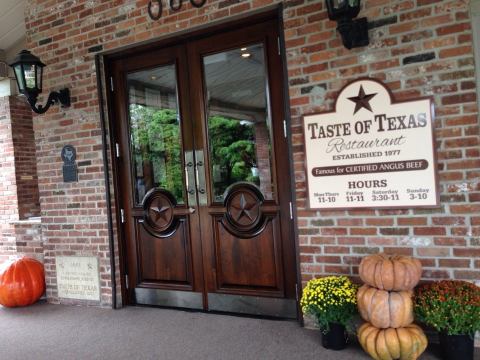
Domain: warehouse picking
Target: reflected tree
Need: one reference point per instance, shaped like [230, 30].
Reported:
[156, 143]
[156, 138]
[232, 151]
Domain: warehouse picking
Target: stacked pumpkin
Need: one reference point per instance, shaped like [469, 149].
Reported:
[385, 301]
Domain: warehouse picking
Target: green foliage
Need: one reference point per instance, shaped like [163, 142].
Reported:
[156, 136]
[450, 306]
[232, 148]
[332, 299]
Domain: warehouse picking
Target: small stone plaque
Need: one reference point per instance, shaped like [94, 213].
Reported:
[78, 277]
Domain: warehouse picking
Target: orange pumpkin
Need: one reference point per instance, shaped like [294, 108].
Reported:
[390, 272]
[22, 283]
[406, 343]
[385, 309]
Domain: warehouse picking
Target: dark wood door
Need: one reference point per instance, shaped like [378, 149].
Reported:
[160, 220]
[204, 175]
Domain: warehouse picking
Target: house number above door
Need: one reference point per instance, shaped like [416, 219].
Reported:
[155, 7]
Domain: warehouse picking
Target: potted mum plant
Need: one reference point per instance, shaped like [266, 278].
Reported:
[332, 301]
[452, 307]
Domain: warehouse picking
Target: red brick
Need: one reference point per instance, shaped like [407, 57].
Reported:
[412, 221]
[450, 29]
[429, 230]
[399, 251]
[363, 231]
[336, 250]
[436, 252]
[454, 263]
[351, 240]
[458, 51]
[468, 275]
[471, 253]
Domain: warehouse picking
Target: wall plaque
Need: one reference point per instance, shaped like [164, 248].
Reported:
[371, 152]
[78, 277]
[70, 172]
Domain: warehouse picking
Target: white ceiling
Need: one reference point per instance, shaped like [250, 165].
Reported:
[12, 23]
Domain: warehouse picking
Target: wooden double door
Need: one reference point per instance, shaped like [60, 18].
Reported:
[203, 175]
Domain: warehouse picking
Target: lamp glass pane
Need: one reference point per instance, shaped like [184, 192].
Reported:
[39, 78]
[19, 76]
[337, 4]
[30, 79]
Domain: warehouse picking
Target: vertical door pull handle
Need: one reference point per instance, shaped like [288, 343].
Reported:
[186, 179]
[190, 178]
[200, 177]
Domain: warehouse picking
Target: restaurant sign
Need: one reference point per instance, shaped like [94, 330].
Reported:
[371, 151]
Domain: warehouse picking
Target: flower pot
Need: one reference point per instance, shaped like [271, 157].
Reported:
[336, 338]
[456, 347]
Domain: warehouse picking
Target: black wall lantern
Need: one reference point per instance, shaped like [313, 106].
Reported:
[28, 71]
[354, 32]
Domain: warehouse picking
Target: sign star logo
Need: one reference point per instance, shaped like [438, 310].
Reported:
[362, 100]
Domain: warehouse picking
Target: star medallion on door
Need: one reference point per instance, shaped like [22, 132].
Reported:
[243, 204]
[159, 210]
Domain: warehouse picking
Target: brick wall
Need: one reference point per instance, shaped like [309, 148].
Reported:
[418, 47]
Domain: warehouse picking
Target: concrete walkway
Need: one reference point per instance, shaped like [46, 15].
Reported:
[45, 331]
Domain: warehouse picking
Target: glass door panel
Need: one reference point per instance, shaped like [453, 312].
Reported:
[239, 121]
[155, 132]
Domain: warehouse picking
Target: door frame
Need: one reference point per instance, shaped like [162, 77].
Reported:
[110, 148]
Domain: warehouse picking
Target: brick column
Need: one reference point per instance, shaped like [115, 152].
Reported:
[8, 187]
[25, 160]
[19, 234]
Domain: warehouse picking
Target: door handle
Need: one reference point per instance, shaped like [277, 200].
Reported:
[190, 178]
[190, 191]
[200, 177]
[200, 185]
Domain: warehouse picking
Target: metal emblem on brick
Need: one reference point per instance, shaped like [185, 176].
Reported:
[69, 169]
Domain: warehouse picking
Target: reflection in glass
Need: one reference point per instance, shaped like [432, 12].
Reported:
[30, 76]
[155, 132]
[19, 75]
[239, 123]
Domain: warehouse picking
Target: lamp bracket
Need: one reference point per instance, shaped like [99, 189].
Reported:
[61, 96]
[354, 32]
